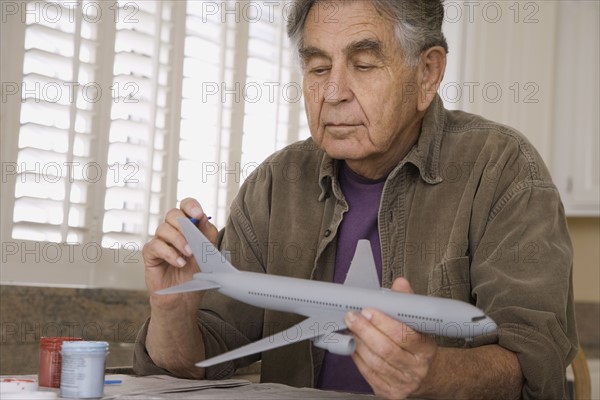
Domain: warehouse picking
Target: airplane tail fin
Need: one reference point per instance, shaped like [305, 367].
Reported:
[363, 272]
[207, 256]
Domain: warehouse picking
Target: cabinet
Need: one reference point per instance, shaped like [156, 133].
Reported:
[576, 115]
[534, 66]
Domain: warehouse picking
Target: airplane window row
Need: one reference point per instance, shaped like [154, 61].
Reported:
[323, 303]
[402, 315]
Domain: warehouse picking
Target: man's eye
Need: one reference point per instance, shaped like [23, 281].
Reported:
[364, 68]
[319, 70]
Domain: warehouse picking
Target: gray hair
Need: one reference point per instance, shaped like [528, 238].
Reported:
[418, 24]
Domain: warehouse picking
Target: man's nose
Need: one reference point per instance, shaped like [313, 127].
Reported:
[337, 88]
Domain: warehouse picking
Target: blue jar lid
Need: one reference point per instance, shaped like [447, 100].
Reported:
[85, 346]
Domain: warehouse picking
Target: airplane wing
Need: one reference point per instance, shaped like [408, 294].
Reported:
[190, 286]
[310, 328]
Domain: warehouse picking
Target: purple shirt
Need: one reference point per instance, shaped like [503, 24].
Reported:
[360, 222]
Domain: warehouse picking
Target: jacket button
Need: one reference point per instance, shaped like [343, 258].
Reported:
[327, 233]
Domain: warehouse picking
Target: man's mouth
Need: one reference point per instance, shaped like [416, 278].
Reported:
[341, 129]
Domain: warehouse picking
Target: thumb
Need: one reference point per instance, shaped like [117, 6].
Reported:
[402, 285]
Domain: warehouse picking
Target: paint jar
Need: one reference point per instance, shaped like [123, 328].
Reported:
[50, 360]
[83, 369]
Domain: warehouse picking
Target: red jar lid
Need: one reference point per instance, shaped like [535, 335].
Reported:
[55, 343]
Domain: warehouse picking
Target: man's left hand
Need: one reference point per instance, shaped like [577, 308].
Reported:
[393, 358]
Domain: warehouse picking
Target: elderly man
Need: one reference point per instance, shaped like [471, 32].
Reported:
[492, 232]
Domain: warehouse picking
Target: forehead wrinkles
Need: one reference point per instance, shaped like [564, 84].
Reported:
[370, 46]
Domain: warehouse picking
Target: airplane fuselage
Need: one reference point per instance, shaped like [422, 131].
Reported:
[426, 314]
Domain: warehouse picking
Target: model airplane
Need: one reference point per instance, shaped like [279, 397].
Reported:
[324, 303]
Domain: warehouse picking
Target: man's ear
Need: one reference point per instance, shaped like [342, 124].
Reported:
[432, 64]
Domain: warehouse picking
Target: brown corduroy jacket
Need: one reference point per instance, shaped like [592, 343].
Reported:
[471, 213]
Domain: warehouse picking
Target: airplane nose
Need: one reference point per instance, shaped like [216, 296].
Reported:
[488, 326]
[483, 325]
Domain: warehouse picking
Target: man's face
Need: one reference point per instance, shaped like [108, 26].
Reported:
[360, 96]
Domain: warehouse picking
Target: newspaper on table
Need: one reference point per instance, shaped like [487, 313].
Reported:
[158, 387]
[166, 387]
[161, 384]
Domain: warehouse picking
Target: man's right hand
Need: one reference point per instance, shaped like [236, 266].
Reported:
[168, 259]
[174, 341]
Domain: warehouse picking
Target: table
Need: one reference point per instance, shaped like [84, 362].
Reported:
[167, 387]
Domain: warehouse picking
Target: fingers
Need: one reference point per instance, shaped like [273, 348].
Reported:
[375, 325]
[169, 244]
[392, 357]
[172, 235]
[191, 208]
[402, 285]
[381, 333]
[156, 251]
[173, 215]
[188, 208]
[372, 364]
[386, 366]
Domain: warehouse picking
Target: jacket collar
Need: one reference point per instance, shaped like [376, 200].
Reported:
[425, 155]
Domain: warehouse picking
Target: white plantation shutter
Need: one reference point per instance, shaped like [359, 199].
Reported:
[205, 119]
[64, 159]
[58, 91]
[91, 138]
[143, 71]
[273, 91]
[123, 109]
[241, 98]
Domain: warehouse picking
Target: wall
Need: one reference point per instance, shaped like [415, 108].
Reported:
[585, 234]
[28, 313]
